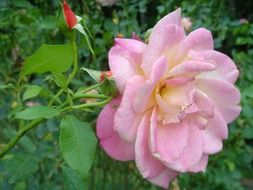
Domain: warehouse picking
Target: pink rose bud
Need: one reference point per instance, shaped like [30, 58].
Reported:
[176, 98]
[105, 74]
[69, 15]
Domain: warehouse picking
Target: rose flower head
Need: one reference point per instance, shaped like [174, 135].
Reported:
[69, 15]
[68, 21]
[176, 97]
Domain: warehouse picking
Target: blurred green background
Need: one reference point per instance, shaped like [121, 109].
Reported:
[36, 162]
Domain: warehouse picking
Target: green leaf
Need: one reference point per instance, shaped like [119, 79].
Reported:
[53, 58]
[72, 180]
[60, 80]
[36, 112]
[20, 167]
[31, 91]
[77, 144]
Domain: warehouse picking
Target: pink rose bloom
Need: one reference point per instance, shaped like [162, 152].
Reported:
[176, 97]
[244, 21]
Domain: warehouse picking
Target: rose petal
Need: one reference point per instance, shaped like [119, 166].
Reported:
[163, 41]
[167, 142]
[163, 106]
[179, 80]
[124, 60]
[215, 131]
[126, 121]
[177, 96]
[145, 162]
[224, 95]
[163, 178]
[217, 125]
[225, 67]
[201, 165]
[133, 49]
[204, 103]
[142, 100]
[172, 18]
[198, 40]
[192, 152]
[159, 68]
[211, 143]
[191, 67]
[109, 139]
[69, 15]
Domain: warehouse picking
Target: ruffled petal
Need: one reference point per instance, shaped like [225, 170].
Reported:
[188, 67]
[142, 100]
[215, 131]
[124, 60]
[163, 178]
[145, 162]
[167, 141]
[172, 18]
[159, 68]
[133, 49]
[198, 40]
[162, 42]
[126, 120]
[204, 103]
[224, 95]
[217, 125]
[192, 153]
[211, 143]
[201, 165]
[109, 139]
[225, 67]
[179, 80]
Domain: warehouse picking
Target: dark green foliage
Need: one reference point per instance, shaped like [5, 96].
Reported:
[36, 163]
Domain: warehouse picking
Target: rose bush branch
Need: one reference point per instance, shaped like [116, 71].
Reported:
[75, 61]
[21, 132]
[88, 105]
[72, 74]
[48, 58]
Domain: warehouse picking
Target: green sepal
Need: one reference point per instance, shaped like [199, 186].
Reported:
[147, 35]
[96, 75]
[108, 87]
